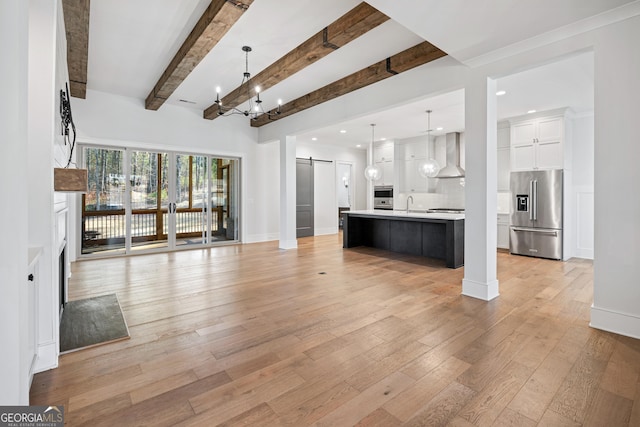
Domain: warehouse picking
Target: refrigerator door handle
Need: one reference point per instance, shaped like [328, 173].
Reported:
[529, 230]
[531, 201]
[535, 200]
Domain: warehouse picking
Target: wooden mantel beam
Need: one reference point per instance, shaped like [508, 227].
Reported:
[76, 23]
[211, 27]
[348, 27]
[418, 55]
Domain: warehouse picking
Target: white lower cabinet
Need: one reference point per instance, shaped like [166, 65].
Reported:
[503, 231]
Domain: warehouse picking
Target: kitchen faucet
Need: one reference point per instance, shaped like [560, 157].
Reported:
[410, 197]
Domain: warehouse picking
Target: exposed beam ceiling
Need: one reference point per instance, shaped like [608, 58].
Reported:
[76, 23]
[348, 27]
[212, 26]
[403, 61]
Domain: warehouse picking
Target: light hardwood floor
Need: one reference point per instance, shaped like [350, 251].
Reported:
[252, 335]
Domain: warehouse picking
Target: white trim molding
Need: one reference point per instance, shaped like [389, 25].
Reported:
[612, 321]
[483, 291]
[584, 221]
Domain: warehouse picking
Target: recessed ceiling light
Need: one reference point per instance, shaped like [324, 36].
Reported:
[383, 139]
[314, 139]
[440, 128]
[359, 145]
[531, 111]
[501, 92]
[343, 131]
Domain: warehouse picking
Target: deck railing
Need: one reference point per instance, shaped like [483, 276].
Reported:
[108, 227]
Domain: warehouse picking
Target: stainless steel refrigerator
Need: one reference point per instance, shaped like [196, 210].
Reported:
[536, 213]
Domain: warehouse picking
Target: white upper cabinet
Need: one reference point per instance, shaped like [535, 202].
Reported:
[538, 143]
[383, 152]
[383, 158]
[415, 150]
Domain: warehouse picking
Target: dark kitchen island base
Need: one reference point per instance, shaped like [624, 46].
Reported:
[438, 236]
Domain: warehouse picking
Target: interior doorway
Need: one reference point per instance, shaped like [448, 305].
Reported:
[344, 188]
[304, 198]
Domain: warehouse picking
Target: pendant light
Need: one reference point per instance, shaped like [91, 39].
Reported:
[429, 167]
[372, 172]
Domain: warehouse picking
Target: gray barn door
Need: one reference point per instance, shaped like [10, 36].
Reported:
[304, 197]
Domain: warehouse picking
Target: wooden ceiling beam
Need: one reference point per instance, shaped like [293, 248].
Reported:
[76, 24]
[396, 64]
[348, 27]
[211, 27]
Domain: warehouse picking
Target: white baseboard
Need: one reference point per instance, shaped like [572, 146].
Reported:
[47, 357]
[618, 323]
[584, 253]
[288, 244]
[325, 231]
[483, 291]
[257, 238]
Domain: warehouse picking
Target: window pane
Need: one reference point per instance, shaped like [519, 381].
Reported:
[103, 219]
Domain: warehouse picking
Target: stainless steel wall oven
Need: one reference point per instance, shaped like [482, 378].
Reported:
[383, 197]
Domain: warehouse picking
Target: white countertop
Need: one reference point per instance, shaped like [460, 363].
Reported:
[410, 214]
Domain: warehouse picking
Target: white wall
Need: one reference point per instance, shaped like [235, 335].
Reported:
[616, 299]
[116, 120]
[325, 206]
[263, 212]
[13, 192]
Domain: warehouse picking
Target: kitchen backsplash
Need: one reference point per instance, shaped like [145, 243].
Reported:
[449, 193]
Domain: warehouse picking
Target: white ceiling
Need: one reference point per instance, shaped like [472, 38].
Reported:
[131, 43]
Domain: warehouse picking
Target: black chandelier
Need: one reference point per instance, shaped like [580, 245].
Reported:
[254, 105]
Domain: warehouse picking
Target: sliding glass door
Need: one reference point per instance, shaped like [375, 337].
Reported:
[103, 225]
[148, 200]
[191, 215]
[153, 201]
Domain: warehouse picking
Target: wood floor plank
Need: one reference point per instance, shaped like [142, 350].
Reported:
[408, 403]
[485, 407]
[608, 409]
[509, 418]
[551, 418]
[379, 418]
[313, 409]
[258, 415]
[367, 401]
[212, 409]
[251, 334]
[581, 384]
[444, 407]
[484, 370]
[621, 375]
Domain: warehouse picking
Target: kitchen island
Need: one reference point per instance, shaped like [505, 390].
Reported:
[433, 235]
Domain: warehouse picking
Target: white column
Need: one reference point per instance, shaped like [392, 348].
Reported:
[481, 186]
[616, 266]
[288, 193]
[14, 387]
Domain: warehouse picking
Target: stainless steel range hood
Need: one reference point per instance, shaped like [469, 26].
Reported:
[452, 169]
